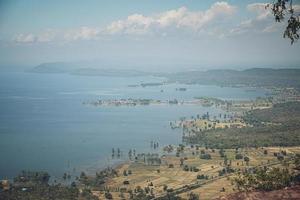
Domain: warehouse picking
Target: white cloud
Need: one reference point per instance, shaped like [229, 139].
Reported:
[262, 12]
[83, 33]
[171, 22]
[25, 38]
[171, 17]
[273, 27]
[262, 21]
[181, 18]
[46, 36]
[134, 24]
[164, 23]
[243, 27]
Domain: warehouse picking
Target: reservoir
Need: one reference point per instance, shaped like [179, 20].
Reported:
[45, 126]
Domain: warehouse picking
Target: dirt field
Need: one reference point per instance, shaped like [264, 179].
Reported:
[175, 177]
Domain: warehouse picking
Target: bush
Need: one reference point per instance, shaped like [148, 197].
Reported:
[280, 157]
[108, 195]
[246, 159]
[205, 156]
[186, 168]
[238, 156]
[165, 187]
[193, 196]
[201, 176]
[195, 169]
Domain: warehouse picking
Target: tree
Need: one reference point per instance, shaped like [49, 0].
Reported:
[297, 161]
[238, 156]
[280, 157]
[87, 194]
[264, 179]
[201, 176]
[193, 196]
[246, 159]
[205, 156]
[34, 177]
[108, 195]
[165, 187]
[186, 168]
[279, 9]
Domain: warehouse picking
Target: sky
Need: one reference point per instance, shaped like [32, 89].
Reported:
[161, 34]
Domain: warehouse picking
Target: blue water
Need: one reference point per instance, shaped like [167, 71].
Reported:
[45, 126]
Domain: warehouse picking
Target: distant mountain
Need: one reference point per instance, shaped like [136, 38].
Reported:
[56, 67]
[250, 77]
[84, 69]
[107, 72]
[223, 77]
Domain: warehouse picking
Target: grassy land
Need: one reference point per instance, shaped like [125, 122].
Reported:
[276, 126]
[284, 113]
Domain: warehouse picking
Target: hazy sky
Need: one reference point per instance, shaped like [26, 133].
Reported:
[194, 33]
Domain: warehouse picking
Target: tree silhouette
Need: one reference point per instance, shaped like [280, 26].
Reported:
[281, 8]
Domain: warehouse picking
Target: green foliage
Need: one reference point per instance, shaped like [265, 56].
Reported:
[264, 179]
[108, 195]
[33, 177]
[287, 113]
[246, 159]
[186, 168]
[99, 179]
[140, 194]
[238, 156]
[37, 188]
[205, 156]
[165, 187]
[292, 29]
[285, 135]
[171, 165]
[86, 194]
[226, 170]
[280, 157]
[193, 196]
[202, 176]
[283, 132]
[222, 153]
[297, 161]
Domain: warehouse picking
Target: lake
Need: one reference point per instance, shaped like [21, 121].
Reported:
[45, 126]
